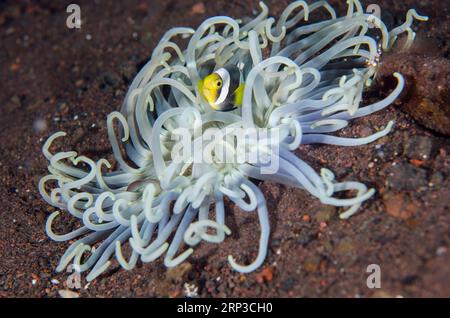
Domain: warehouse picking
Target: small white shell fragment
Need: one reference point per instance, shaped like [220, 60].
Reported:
[66, 293]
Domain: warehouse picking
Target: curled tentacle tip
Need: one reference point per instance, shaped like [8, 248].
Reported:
[240, 268]
[417, 16]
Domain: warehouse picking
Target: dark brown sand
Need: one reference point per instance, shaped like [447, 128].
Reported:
[56, 79]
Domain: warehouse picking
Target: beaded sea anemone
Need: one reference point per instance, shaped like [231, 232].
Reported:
[302, 80]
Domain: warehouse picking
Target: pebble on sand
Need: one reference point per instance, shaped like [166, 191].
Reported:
[198, 8]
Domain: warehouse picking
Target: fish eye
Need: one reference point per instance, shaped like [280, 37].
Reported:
[219, 83]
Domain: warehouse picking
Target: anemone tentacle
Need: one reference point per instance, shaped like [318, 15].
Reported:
[303, 81]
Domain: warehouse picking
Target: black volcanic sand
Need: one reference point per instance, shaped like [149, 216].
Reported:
[56, 79]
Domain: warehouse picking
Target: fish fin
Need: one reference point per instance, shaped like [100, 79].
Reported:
[215, 107]
[200, 86]
[229, 110]
[239, 95]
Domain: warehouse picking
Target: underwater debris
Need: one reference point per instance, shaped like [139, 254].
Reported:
[309, 86]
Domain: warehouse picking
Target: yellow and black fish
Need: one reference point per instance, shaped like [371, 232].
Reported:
[223, 89]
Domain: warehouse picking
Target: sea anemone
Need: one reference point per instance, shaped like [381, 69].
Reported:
[302, 81]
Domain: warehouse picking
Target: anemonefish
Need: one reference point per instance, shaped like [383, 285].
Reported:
[223, 89]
